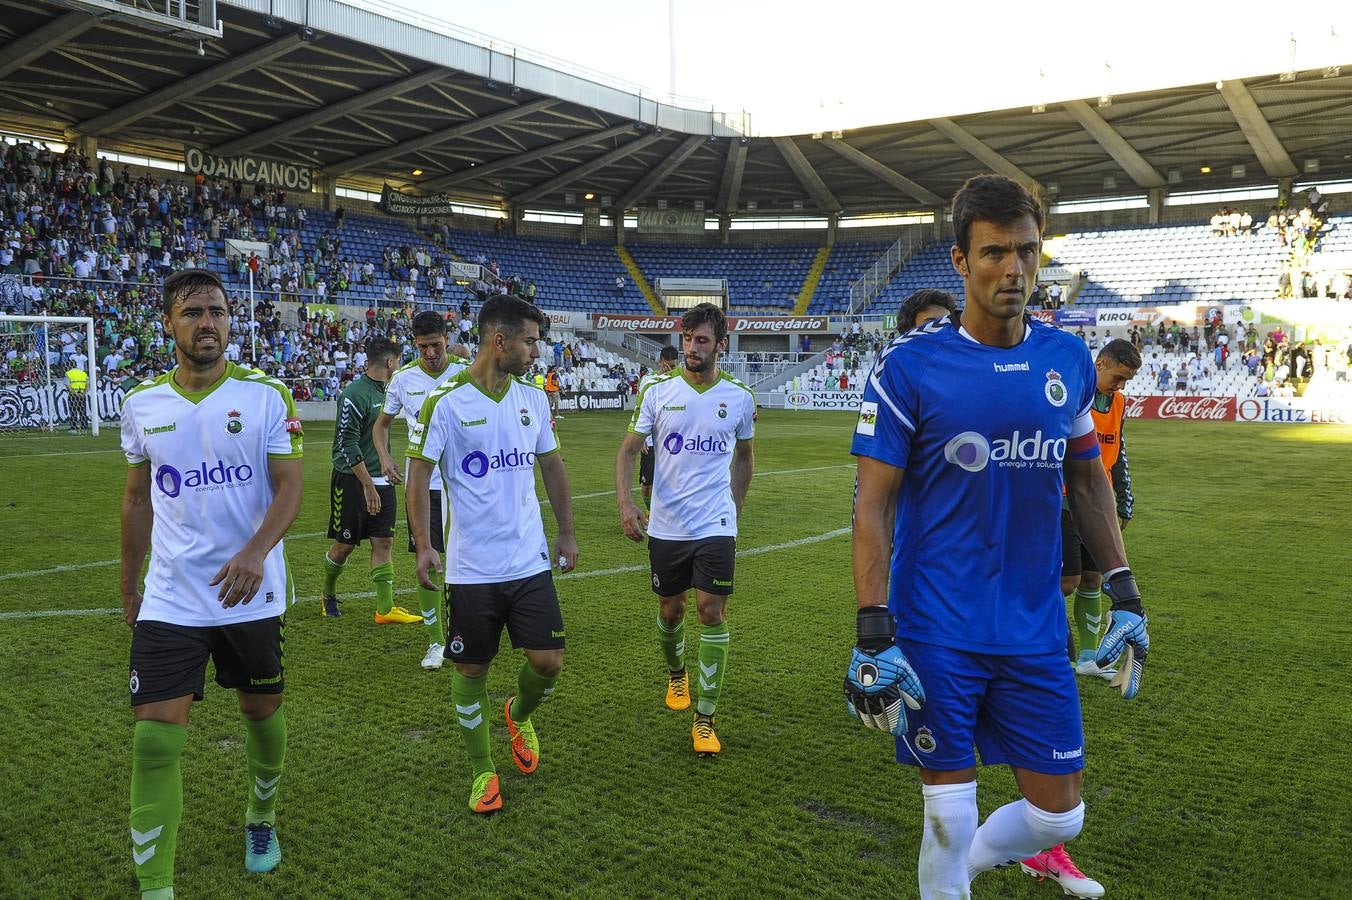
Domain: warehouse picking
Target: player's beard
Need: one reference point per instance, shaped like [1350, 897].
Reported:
[699, 368]
[203, 357]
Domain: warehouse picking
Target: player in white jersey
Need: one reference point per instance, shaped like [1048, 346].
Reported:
[214, 451]
[701, 421]
[404, 397]
[485, 429]
[667, 360]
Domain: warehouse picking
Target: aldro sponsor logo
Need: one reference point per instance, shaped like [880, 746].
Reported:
[677, 443]
[204, 477]
[973, 452]
[478, 464]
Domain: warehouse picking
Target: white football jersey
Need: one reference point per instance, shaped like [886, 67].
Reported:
[694, 430]
[409, 387]
[209, 489]
[486, 448]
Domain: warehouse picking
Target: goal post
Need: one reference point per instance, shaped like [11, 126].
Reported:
[36, 352]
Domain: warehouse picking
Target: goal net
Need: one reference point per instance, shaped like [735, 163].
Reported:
[41, 360]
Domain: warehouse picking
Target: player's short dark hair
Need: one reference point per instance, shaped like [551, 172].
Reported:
[507, 315]
[428, 324]
[185, 283]
[705, 313]
[669, 353]
[1122, 352]
[379, 349]
[992, 198]
[920, 300]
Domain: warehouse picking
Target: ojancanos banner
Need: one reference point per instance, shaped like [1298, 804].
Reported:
[397, 203]
[248, 169]
[736, 324]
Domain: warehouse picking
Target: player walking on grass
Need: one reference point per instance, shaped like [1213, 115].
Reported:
[1117, 362]
[701, 421]
[964, 431]
[485, 429]
[666, 361]
[361, 498]
[214, 451]
[407, 390]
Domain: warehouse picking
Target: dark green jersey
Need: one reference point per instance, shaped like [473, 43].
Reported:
[358, 407]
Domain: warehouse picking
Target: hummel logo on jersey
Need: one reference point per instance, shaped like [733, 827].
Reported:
[1011, 367]
[680, 408]
[161, 429]
[416, 393]
[1068, 754]
[472, 422]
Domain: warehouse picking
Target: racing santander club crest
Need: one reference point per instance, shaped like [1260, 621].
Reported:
[525, 419]
[924, 740]
[1055, 388]
[233, 423]
[722, 410]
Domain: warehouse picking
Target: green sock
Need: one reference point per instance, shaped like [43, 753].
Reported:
[532, 689]
[672, 638]
[383, 576]
[429, 604]
[265, 748]
[156, 800]
[470, 696]
[713, 662]
[331, 572]
[1088, 617]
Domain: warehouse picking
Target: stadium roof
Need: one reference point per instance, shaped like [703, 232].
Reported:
[367, 99]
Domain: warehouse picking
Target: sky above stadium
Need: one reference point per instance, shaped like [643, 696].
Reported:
[817, 66]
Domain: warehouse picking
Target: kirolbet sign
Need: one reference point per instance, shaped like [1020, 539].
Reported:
[249, 169]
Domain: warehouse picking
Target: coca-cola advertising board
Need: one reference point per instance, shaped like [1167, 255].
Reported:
[1198, 409]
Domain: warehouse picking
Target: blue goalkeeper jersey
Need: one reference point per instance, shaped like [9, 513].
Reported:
[982, 433]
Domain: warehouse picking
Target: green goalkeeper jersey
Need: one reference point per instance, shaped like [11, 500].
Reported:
[359, 405]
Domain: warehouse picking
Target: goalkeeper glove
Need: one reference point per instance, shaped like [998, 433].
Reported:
[1125, 639]
[880, 679]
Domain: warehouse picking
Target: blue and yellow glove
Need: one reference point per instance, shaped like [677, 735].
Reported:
[880, 679]
[1126, 642]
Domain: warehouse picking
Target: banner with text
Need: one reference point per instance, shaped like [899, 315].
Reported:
[736, 324]
[1292, 411]
[248, 169]
[397, 203]
[821, 399]
[671, 221]
[1201, 409]
[574, 401]
[570, 319]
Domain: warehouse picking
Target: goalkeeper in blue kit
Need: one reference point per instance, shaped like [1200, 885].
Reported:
[967, 428]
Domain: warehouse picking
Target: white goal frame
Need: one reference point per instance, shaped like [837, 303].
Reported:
[91, 395]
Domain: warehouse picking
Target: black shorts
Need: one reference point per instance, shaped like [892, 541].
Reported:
[646, 461]
[1075, 556]
[349, 522]
[169, 661]
[705, 563]
[438, 535]
[476, 613]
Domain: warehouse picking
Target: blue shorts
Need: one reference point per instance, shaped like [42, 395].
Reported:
[1017, 710]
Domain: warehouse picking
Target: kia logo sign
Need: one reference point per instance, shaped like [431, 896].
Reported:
[798, 400]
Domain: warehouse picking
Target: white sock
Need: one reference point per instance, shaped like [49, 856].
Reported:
[1019, 830]
[950, 822]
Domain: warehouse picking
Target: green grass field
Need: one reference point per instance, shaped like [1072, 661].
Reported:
[1229, 777]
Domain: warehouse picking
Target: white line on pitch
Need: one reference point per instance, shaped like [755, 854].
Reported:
[75, 567]
[367, 595]
[58, 453]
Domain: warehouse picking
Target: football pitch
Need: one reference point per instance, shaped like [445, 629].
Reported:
[1229, 777]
